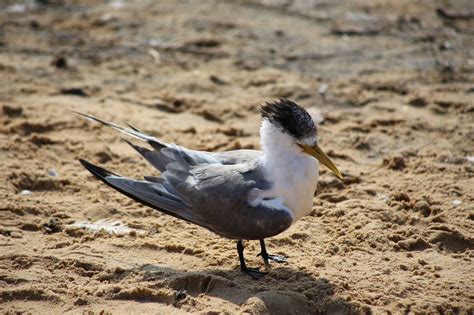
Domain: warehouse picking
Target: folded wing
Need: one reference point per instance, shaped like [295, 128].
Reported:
[207, 189]
[212, 196]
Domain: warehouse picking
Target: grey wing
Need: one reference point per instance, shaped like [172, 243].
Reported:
[218, 195]
[162, 157]
[214, 197]
[237, 156]
[162, 153]
[152, 194]
[208, 189]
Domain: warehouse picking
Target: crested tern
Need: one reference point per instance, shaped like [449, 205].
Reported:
[240, 194]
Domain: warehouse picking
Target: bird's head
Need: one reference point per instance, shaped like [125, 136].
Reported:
[295, 123]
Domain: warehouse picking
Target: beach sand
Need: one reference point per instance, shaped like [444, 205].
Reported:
[392, 83]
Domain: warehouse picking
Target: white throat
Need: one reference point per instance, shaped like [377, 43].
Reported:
[294, 174]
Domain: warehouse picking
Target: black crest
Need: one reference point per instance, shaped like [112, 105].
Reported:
[290, 117]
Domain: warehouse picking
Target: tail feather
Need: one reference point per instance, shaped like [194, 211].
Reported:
[132, 131]
[148, 193]
[97, 171]
[155, 158]
[162, 181]
[155, 179]
[163, 153]
[135, 129]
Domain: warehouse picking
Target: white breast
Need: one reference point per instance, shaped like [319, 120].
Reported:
[293, 173]
[294, 180]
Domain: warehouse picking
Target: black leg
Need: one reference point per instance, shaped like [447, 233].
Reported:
[253, 272]
[266, 256]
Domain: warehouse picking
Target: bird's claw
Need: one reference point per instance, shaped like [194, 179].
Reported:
[275, 258]
[254, 273]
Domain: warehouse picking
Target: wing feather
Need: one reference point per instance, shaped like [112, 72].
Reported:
[208, 189]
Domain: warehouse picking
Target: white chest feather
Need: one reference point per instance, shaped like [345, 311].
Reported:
[294, 174]
[294, 180]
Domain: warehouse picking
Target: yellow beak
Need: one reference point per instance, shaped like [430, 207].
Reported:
[322, 157]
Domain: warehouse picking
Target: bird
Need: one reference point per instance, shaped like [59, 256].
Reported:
[239, 194]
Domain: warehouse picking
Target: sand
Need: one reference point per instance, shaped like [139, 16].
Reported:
[392, 82]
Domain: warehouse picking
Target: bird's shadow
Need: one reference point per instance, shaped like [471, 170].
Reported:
[283, 291]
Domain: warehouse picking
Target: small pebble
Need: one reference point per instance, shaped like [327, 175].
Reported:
[53, 173]
[59, 62]
[457, 202]
[52, 226]
[323, 89]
